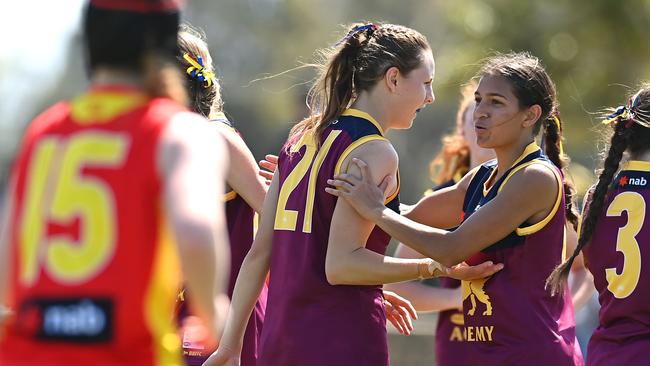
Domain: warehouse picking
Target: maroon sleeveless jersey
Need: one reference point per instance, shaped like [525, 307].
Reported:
[308, 321]
[617, 255]
[241, 226]
[510, 318]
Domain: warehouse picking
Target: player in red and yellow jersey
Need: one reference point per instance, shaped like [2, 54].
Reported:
[110, 196]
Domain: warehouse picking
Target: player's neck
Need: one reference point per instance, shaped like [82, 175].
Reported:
[106, 76]
[377, 110]
[508, 155]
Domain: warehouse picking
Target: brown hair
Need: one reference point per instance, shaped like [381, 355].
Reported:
[454, 157]
[532, 85]
[204, 98]
[142, 43]
[354, 65]
[632, 134]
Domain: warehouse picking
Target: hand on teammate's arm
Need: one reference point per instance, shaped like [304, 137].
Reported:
[494, 221]
[268, 166]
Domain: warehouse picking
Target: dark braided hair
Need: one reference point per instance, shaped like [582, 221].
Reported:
[356, 64]
[552, 147]
[532, 85]
[629, 135]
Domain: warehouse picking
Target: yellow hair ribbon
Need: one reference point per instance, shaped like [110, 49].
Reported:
[197, 70]
[621, 112]
[559, 129]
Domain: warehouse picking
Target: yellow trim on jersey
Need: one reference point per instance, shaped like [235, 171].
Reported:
[256, 223]
[530, 148]
[564, 253]
[396, 192]
[103, 106]
[354, 145]
[540, 225]
[230, 196]
[638, 165]
[361, 114]
[160, 300]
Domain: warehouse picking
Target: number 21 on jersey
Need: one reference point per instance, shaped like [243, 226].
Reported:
[286, 219]
[58, 191]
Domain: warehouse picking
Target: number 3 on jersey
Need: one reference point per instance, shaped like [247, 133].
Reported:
[622, 285]
[287, 219]
[57, 191]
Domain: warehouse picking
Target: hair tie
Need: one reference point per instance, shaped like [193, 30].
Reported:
[355, 30]
[198, 71]
[556, 120]
[624, 113]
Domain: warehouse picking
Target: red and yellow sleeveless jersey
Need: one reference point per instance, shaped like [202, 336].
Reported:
[94, 276]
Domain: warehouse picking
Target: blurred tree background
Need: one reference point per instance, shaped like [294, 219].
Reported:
[593, 50]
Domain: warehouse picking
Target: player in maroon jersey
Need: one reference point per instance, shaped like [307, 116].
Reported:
[511, 210]
[325, 304]
[615, 240]
[245, 194]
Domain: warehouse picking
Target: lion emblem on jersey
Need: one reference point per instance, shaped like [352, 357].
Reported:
[475, 292]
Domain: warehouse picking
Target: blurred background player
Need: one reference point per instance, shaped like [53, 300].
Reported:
[246, 189]
[101, 188]
[615, 240]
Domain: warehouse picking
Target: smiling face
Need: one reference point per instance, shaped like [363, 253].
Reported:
[412, 92]
[498, 118]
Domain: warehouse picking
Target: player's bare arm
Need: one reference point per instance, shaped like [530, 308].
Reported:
[491, 223]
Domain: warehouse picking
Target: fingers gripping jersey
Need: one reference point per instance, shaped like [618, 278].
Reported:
[510, 318]
[617, 255]
[95, 274]
[308, 321]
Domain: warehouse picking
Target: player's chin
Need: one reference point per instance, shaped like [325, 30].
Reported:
[405, 125]
[484, 142]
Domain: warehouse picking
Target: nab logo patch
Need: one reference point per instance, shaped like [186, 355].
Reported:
[77, 320]
[638, 182]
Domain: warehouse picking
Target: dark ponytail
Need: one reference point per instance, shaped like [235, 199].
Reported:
[552, 137]
[557, 280]
[355, 64]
